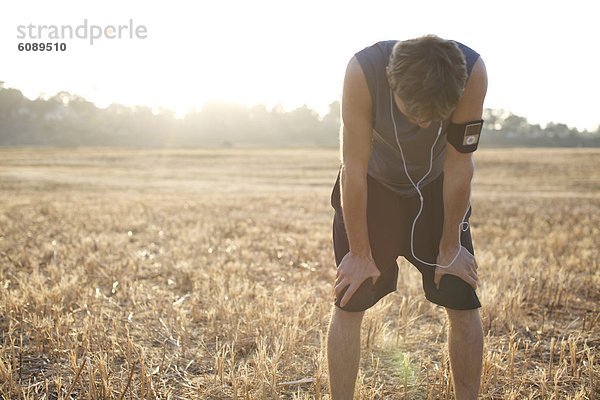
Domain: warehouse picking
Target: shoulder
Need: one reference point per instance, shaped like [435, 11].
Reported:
[377, 53]
[372, 60]
[471, 103]
[470, 106]
[471, 56]
[381, 47]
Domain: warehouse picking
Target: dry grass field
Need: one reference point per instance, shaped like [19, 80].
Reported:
[207, 274]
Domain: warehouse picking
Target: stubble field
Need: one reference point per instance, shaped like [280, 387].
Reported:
[207, 274]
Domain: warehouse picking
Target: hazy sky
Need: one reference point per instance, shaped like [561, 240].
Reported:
[542, 56]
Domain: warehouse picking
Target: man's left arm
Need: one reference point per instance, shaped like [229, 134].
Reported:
[458, 173]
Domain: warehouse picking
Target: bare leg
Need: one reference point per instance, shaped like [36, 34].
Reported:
[465, 345]
[343, 352]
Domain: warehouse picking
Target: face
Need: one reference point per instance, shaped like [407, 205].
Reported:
[411, 118]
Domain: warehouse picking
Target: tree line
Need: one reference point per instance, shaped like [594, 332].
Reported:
[67, 119]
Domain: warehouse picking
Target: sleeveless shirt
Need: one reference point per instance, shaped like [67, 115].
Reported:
[385, 163]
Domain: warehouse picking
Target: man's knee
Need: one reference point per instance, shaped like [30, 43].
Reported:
[464, 320]
[348, 318]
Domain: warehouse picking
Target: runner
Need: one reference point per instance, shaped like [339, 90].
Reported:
[411, 119]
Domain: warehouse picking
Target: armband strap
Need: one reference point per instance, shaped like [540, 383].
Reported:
[464, 137]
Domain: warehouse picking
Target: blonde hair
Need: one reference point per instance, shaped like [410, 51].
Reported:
[429, 75]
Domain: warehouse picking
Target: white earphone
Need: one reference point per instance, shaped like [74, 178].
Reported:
[462, 226]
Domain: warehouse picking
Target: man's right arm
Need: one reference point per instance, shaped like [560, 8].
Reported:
[357, 132]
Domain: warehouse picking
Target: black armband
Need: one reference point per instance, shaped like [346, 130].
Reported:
[464, 137]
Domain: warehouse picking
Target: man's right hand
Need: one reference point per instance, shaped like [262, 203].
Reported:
[352, 272]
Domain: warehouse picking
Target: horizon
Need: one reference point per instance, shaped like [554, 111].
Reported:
[271, 108]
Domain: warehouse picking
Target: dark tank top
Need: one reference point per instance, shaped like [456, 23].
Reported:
[385, 163]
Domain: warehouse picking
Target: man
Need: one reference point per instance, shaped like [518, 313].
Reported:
[411, 118]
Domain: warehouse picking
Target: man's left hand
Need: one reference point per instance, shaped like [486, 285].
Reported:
[464, 266]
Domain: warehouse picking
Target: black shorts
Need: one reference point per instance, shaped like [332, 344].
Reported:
[389, 219]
